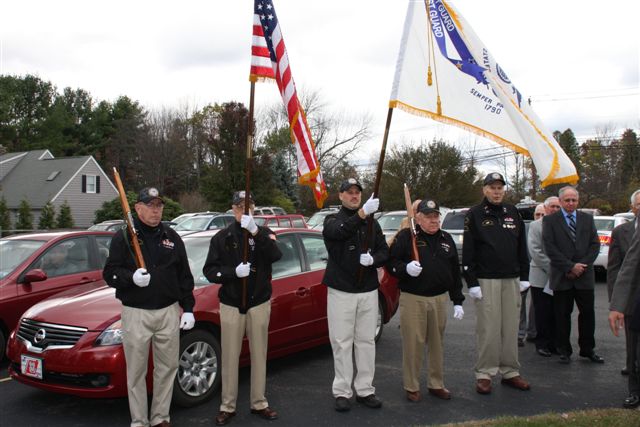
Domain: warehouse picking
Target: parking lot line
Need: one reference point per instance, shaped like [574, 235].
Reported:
[5, 379]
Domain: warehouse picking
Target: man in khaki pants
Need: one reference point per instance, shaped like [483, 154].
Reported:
[424, 284]
[240, 311]
[496, 268]
[151, 300]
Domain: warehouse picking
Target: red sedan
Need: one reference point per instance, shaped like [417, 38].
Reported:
[71, 343]
[38, 265]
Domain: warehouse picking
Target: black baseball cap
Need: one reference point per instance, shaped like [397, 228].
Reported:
[428, 206]
[494, 177]
[148, 194]
[239, 196]
[348, 183]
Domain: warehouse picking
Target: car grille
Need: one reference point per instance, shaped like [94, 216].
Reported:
[40, 336]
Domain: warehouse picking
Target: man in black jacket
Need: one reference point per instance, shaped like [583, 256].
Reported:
[151, 300]
[495, 266]
[424, 284]
[352, 298]
[245, 304]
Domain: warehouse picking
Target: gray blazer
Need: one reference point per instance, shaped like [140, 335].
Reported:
[627, 280]
[539, 267]
[620, 242]
[564, 253]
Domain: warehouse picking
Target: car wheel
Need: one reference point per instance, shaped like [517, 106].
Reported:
[3, 343]
[198, 377]
[380, 323]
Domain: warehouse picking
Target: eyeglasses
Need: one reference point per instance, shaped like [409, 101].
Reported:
[538, 215]
[152, 205]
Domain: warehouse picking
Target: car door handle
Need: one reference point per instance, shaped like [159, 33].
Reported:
[86, 280]
[301, 292]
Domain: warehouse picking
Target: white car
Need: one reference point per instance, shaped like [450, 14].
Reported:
[605, 225]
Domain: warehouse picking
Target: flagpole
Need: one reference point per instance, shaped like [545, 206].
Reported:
[376, 187]
[247, 188]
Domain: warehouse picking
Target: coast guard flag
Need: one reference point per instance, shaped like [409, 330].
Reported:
[468, 88]
[269, 60]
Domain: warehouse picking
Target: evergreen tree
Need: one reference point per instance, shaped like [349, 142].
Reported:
[5, 219]
[47, 217]
[569, 144]
[25, 217]
[64, 219]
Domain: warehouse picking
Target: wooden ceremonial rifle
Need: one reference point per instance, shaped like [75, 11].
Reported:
[128, 219]
[376, 188]
[412, 224]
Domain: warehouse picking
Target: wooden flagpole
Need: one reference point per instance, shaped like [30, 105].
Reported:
[247, 188]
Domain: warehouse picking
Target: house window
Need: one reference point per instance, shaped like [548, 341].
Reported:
[90, 184]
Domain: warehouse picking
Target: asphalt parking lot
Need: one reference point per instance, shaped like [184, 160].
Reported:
[299, 388]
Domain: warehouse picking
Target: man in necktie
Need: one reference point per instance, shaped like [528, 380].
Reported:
[571, 242]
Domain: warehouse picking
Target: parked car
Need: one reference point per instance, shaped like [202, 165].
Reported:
[316, 221]
[36, 266]
[71, 343]
[605, 225]
[286, 221]
[110, 225]
[453, 223]
[390, 223]
[269, 210]
[204, 221]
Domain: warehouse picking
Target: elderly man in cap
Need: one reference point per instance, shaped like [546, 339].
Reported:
[151, 300]
[352, 299]
[496, 269]
[245, 303]
[424, 284]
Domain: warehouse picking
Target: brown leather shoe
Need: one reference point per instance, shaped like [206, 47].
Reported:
[483, 386]
[440, 393]
[224, 418]
[266, 413]
[516, 382]
[162, 424]
[413, 396]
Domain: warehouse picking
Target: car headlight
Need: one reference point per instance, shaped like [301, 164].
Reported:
[112, 335]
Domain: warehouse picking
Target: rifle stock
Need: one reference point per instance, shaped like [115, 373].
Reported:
[412, 224]
[128, 219]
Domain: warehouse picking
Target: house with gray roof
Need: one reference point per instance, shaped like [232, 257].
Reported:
[38, 177]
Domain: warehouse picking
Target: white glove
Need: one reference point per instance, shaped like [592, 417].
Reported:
[187, 321]
[249, 224]
[458, 312]
[141, 277]
[524, 285]
[366, 259]
[414, 269]
[243, 269]
[371, 205]
[475, 292]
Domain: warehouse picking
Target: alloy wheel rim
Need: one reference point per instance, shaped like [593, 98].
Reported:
[197, 368]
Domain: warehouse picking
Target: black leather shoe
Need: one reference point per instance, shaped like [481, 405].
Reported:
[224, 418]
[593, 357]
[266, 413]
[370, 401]
[632, 401]
[543, 352]
[564, 359]
[342, 404]
[624, 371]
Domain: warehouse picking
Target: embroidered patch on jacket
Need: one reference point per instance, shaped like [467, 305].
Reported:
[168, 244]
[445, 246]
[487, 222]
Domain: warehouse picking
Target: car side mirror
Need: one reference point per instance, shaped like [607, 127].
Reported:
[35, 275]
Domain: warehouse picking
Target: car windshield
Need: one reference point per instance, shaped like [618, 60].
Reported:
[391, 222]
[453, 221]
[100, 227]
[604, 224]
[260, 221]
[15, 252]
[318, 218]
[194, 224]
[197, 250]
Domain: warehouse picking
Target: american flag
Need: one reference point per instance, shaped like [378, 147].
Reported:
[269, 60]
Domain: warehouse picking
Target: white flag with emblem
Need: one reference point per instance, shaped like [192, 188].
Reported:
[445, 72]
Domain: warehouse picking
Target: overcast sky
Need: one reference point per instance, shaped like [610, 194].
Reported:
[577, 59]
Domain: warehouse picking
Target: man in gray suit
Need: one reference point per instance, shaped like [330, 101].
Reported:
[572, 245]
[620, 242]
[622, 300]
[539, 267]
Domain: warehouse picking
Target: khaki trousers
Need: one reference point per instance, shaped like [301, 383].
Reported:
[422, 322]
[352, 321]
[233, 326]
[161, 329]
[498, 314]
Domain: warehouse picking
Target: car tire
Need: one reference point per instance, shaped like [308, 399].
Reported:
[3, 345]
[198, 378]
[379, 320]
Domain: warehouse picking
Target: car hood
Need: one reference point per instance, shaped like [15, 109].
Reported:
[85, 306]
